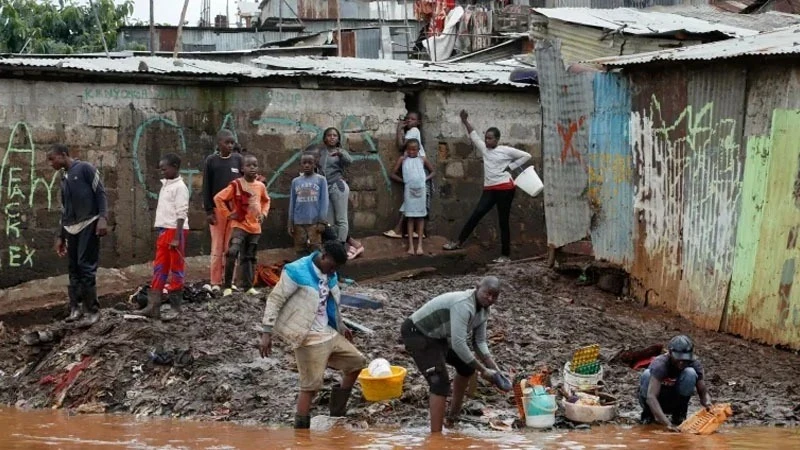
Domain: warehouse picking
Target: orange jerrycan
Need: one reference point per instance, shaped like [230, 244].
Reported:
[705, 422]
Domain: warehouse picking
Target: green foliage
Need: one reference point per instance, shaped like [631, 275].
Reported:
[42, 26]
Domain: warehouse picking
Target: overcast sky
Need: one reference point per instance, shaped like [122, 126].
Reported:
[169, 11]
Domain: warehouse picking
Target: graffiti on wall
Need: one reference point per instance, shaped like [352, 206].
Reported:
[567, 133]
[350, 125]
[689, 172]
[19, 185]
[122, 95]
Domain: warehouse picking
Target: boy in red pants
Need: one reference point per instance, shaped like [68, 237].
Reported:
[172, 226]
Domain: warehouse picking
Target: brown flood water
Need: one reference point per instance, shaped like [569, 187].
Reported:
[57, 430]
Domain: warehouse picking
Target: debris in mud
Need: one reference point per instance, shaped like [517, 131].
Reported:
[226, 379]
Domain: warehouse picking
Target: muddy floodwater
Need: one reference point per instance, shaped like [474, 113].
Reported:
[57, 430]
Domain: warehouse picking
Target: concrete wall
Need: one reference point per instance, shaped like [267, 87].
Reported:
[123, 128]
[460, 168]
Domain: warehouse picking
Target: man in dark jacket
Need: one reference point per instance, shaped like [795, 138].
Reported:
[83, 221]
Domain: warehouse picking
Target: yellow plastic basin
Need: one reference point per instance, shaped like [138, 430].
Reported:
[382, 388]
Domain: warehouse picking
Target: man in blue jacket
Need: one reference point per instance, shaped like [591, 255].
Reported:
[303, 309]
[83, 222]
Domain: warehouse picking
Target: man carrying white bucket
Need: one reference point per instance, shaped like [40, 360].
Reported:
[499, 161]
[436, 335]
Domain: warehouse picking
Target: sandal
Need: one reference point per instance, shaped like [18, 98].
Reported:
[452, 246]
[392, 234]
[354, 252]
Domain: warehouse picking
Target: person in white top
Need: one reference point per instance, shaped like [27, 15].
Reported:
[407, 129]
[172, 225]
[500, 162]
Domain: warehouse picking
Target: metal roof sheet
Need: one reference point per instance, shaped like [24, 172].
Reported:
[640, 22]
[767, 21]
[380, 70]
[781, 42]
[394, 71]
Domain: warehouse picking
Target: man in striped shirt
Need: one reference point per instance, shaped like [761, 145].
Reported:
[437, 334]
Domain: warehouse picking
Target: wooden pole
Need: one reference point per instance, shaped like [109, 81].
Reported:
[280, 20]
[99, 27]
[339, 26]
[152, 30]
[178, 37]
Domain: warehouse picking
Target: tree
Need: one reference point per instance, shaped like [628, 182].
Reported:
[31, 26]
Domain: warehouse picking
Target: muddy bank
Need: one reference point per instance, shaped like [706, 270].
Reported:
[210, 367]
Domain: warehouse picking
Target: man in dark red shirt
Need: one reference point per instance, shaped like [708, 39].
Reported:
[666, 387]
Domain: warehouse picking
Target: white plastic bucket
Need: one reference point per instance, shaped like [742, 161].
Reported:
[577, 382]
[544, 421]
[529, 182]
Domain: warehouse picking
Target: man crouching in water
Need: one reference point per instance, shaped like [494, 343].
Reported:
[436, 335]
[666, 387]
[303, 309]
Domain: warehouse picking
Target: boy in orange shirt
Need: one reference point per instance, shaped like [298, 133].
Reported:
[246, 203]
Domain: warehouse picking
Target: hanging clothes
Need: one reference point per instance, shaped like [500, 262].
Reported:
[464, 41]
[441, 47]
[482, 29]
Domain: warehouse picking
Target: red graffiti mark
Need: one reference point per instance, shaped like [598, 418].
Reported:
[567, 133]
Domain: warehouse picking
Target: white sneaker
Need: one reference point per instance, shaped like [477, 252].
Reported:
[252, 291]
[502, 259]
[233, 286]
[227, 292]
[214, 289]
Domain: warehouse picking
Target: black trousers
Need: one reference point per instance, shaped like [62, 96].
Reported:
[487, 201]
[83, 253]
[431, 356]
[244, 246]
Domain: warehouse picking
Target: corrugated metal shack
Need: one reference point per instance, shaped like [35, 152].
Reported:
[592, 33]
[683, 168]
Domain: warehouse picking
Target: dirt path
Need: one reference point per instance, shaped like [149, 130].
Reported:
[541, 318]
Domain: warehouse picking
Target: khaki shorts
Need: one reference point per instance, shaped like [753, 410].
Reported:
[307, 238]
[337, 353]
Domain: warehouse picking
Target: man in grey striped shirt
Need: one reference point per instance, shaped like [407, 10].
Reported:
[437, 334]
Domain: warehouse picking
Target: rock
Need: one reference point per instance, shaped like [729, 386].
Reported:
[91, 408]
[223, 393]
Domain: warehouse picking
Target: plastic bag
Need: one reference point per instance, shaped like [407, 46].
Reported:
[379, 368]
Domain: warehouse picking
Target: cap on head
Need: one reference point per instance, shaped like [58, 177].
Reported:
[681, 348]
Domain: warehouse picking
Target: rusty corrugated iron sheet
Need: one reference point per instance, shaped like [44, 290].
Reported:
[567, 106]
[581, 43]
[768, 21]
[783, 42]
[642, 22]
[763, 303]
[317, 9]
[714, 166]
[657, 135]
[610, 169]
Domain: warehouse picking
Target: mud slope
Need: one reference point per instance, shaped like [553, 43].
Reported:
[540, 319]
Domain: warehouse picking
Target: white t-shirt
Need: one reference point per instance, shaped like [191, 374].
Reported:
[496, 160]
[413, 133]
[320, 330]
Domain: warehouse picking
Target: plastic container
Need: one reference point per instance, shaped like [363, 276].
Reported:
[376, 389]
[589, 414]
[529, 182]
[704, 422]
[577, 382]
[540, 410]
[537, 405]
[545, 421]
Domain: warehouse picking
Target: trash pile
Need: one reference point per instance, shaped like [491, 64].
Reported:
[205, 364]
